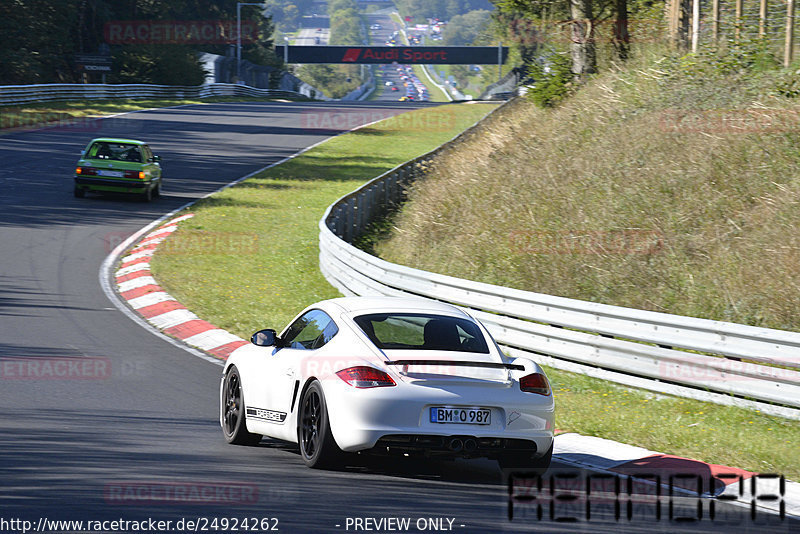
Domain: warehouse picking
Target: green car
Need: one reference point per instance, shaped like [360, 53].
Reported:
[118, 166]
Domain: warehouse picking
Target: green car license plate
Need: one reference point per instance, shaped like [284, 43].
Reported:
[115, 174]
[469, 416]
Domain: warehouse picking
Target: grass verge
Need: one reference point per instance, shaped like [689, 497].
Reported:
[655, 187]
[704, 431]
[434, 93]
[249, 257]
[36, 115]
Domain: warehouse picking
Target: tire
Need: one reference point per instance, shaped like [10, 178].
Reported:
[147, 196]
[157, 190]
[523, 463]
[234, 425]
[78, 192]
[317, 446]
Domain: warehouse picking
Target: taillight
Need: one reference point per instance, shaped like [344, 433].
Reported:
[134, 174]
[535, 383]
[88, 171]
[365, 377]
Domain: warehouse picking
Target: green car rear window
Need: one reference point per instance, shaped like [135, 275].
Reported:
[115, 151]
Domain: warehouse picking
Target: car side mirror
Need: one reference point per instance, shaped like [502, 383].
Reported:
[156, 159]
[265, 338]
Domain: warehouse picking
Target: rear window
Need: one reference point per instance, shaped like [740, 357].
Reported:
[416, 331]
[115, 152]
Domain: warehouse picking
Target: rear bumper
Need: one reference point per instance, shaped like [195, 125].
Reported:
[458, 445]
[110, 184]
[360, 418]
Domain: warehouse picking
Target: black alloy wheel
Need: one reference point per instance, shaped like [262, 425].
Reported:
[234, 426]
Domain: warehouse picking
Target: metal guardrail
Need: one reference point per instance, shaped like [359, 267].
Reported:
[504, 88]
[22, 94]
[712, 360]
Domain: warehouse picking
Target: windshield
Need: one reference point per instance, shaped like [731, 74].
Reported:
[115, 151]
[418, 331]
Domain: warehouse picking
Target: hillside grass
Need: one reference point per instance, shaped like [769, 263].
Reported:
[724, 435]
[665, 186]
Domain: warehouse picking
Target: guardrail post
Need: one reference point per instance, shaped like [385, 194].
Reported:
[348, 218]
[371, 207]
[335, 223]
[359, 219]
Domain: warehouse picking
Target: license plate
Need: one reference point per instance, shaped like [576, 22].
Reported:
[464, 416]
[115, 174]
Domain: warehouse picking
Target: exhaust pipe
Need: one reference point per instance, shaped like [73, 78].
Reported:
[470, 445]
[456, 445]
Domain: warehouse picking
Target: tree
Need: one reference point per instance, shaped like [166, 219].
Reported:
[42, 37]
[462, 30]
[621, 40]
[582, 19]
[582, 46]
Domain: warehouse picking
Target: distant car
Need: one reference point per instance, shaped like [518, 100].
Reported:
[109, 165]
[388, 375]
[394, 88]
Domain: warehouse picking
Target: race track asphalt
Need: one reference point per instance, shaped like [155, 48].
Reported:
[132, 432]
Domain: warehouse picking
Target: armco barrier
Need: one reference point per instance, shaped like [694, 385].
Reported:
[710, 360]
[22, 94]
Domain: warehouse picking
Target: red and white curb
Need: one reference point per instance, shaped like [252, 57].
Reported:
[729, 483]
[140, 290]
[136, 285]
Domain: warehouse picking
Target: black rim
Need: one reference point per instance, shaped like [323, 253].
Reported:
[310, 422]
[233, 403]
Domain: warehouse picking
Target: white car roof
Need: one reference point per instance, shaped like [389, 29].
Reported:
[386, 304]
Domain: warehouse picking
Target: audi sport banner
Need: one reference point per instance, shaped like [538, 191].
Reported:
[440, 55]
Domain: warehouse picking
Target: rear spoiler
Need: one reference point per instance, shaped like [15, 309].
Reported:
[487, 365]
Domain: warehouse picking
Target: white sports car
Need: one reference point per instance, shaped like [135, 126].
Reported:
[388, 375]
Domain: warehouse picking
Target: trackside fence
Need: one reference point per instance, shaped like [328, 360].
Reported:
[23, 94]
[709, 360]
